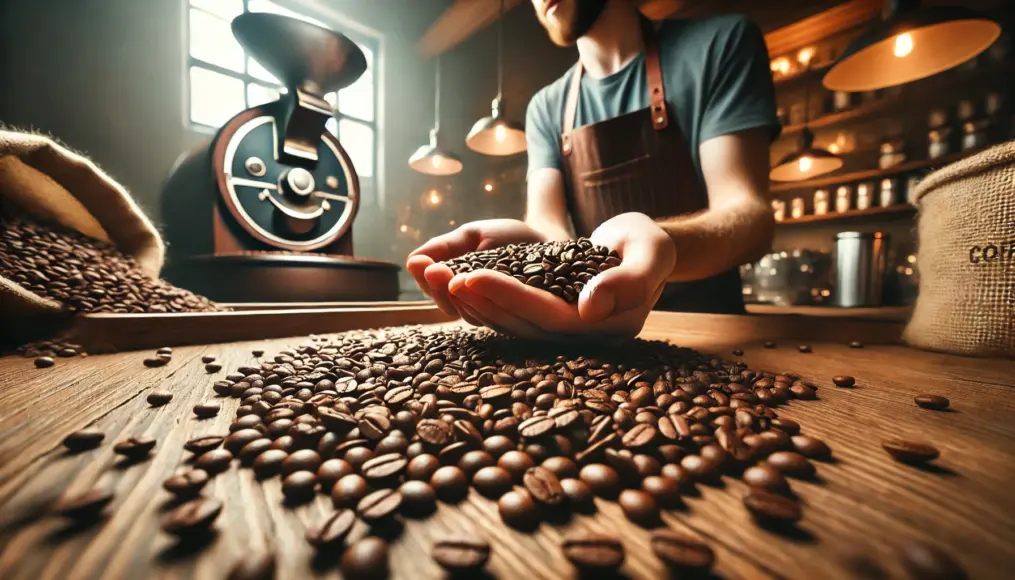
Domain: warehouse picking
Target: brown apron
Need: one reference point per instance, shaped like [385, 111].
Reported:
[640, 162]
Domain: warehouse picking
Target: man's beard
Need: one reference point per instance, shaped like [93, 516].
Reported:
[572, 20]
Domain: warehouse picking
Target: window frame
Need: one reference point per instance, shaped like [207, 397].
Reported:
[356, 32]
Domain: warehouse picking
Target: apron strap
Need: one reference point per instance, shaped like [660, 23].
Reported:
[653, 73]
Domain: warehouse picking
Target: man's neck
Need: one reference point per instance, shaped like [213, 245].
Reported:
[613, 41]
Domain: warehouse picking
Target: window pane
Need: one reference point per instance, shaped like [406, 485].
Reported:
[214, 97]
[268, 6]
[331, 97]
[259, 72]
[211, 40]
[358, 141]
[227, 9]
[357, 100]
[260, 94]
[332, 126]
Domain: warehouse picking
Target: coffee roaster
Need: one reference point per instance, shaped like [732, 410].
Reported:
[264, 212]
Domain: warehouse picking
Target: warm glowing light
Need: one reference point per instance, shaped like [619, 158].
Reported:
[780, 65]
[911, 259]
[500, 133]
[434, 198]
[903, 44]
[805, 55]
[909, 271]
[436, 161]
[488, 186]
[825, 293]
[451, 223]
[805, 164]
[403, 228]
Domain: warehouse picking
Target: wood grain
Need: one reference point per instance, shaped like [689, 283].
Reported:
[861, 508]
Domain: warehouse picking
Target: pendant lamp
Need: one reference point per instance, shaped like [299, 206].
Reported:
[495, 135]
[807, 161]
[431, 159]
[911, 42]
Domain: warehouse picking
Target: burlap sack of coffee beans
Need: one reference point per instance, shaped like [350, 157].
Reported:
[42, 181]
[966, 231]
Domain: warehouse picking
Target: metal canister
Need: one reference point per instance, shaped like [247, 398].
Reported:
[821, 202]
[797, 207]
[843, 198]
[864, 195]
[889, 192]
[779, 209]
[859, 268]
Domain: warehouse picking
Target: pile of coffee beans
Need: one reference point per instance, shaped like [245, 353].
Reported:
[562, 268]
[85, 274]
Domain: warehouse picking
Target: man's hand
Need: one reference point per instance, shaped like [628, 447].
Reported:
[616, 302]
[433, 277]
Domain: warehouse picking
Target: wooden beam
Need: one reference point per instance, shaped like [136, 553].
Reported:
[828, 23]
[660, 9]
[460, 21]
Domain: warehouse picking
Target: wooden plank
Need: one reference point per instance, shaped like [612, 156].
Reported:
[863, 504]
[841, 18]
[424, 304]
[459, 22]
[896, 313]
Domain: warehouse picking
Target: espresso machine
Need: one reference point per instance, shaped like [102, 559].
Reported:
[265, 211]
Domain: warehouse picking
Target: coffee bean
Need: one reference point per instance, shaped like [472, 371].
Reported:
[765, 476]
[384, 466]
[682, 552]
[461, 555]
[811, 447]
[331, 471]
[536, 426]
[516, 463]
[358, 456]
[154, 362]
[257, 352]
[517, 509]
[159, 398]
[603, 480]
[237, 440]
[738, 352]
[333, 530]
[562, 467]
[299, 485]
[933, 402]
[212, 368]
[418, 498]
[206, 410]
[83, 440]
[85, 506]
[186, 484]
[269, 463]
[44, 362]
[792, 464]
[251, 451]
[349, 490]
[422, 467]
[543, 486]
[843, 381]
[926, 562]
[769, 508]
[665, 490]
[578, 493]
[911, 452]
[301, 460]
[492, 481]
[200, 445]
[366, 559]
[768, 344]
[450, 483]
[639, 506]
[379, 505]
[593, 551]
[700, 468]
[374, 427]
[135, 448]
[856, 344]
[434, 431]
[498, 445]
[214, 461]
[804, 348]
[260, 566]
[639, 436]
[193, 517]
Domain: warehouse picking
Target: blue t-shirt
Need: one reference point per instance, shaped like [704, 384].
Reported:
[716, 77]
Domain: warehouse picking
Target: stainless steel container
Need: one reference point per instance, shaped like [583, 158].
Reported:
[859, 268]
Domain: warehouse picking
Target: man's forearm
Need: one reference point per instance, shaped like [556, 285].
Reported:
[718, 239]
[553, 227]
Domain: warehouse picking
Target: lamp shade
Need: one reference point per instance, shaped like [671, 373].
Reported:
[912, 43]
[806, 162]
[432, 160]
[495, 135]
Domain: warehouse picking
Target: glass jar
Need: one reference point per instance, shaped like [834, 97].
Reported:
[891, 154]
[841, 100]
[864, 195]
[889, 192]
[843, 198]
[966, 110]
[937, 118]
[821, 202]
[938, 142]
[797, 210]
[974, 134]
[779, 209]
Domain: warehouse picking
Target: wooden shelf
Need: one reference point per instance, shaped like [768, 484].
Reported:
[897, 313]
[874, 174]
[815, 71]
[901, 209]
[860, 111]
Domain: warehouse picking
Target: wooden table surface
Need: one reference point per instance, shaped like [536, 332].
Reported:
[858, 511]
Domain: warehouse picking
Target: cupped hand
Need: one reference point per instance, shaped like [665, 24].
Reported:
[615, 302]
[433, 277]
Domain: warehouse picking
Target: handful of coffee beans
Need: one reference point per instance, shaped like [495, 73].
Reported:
[85, 274]
[561, 268]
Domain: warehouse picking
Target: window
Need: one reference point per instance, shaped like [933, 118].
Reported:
[223, 80]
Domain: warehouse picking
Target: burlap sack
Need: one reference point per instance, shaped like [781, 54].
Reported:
[966, 232]
[42, 179]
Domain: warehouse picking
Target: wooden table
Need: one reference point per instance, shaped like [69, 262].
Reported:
[862, 506]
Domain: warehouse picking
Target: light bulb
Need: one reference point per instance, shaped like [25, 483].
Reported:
[499, 133]
[780, 65]
[805, 164]
[834, 148]
[805, 55]
[404, 228]
[435, 197]
[488, 187]
[436, 160]
[903, 44]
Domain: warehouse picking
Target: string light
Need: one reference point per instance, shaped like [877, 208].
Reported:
[805, 55]
[403, 228]
[434, 198]
[780, 65]
[488, 186]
